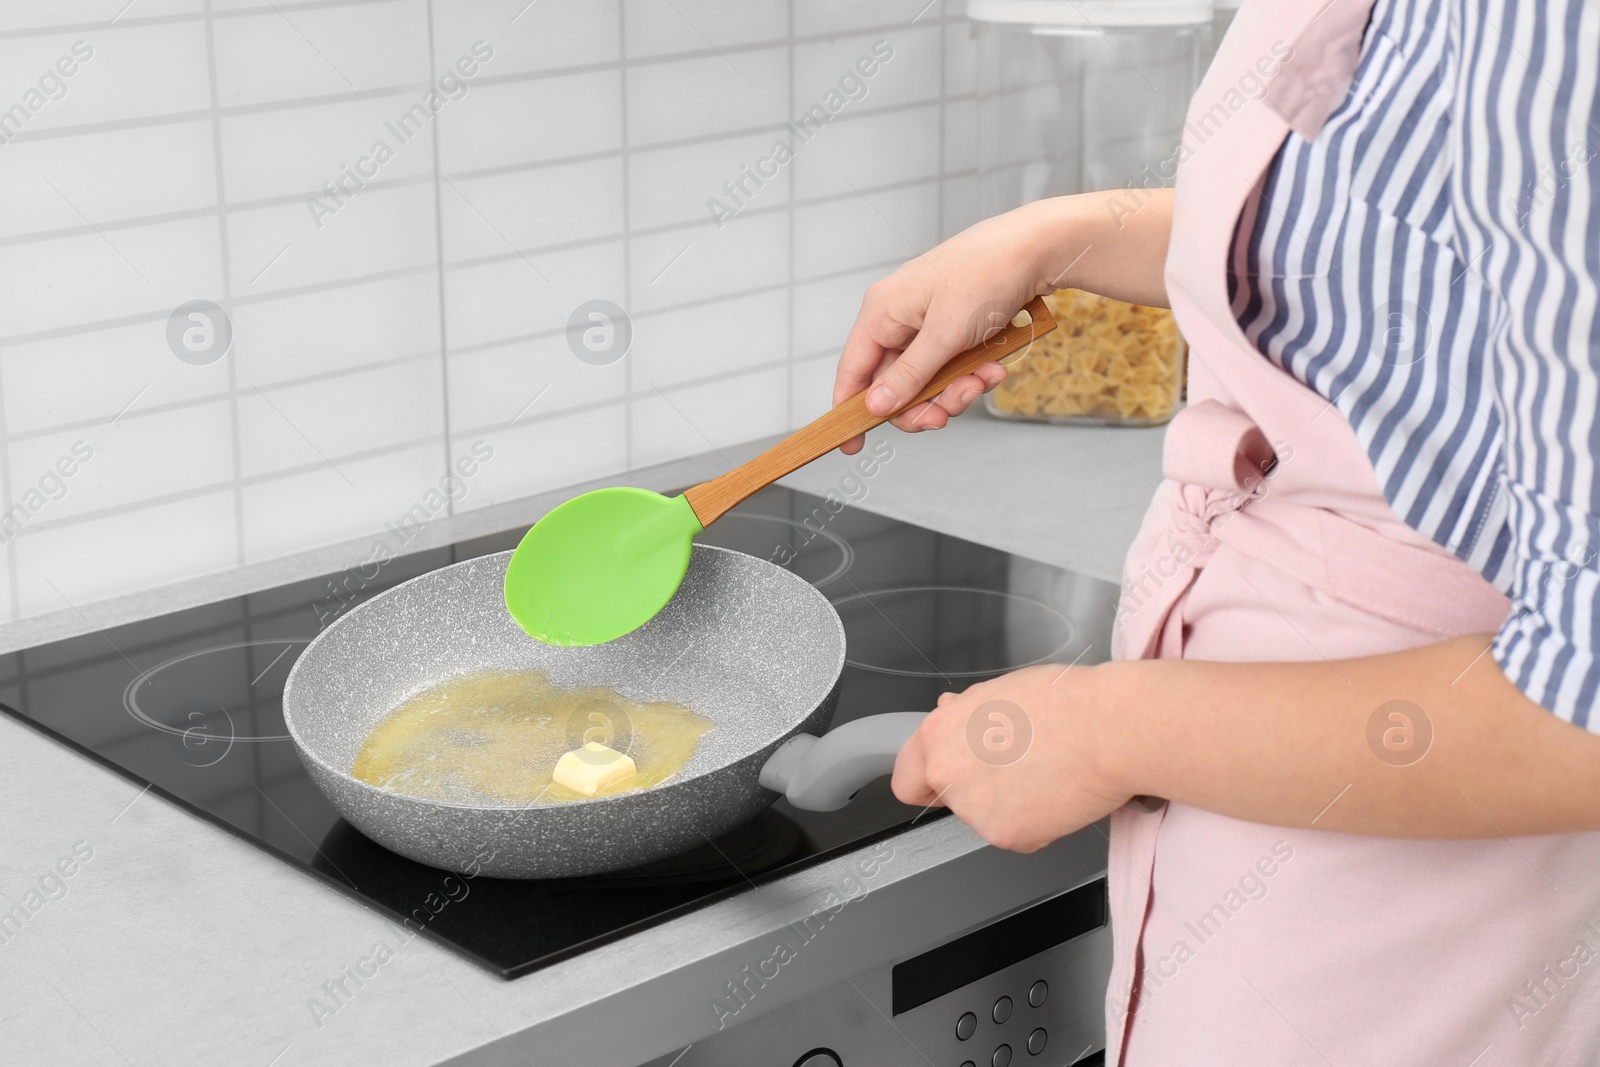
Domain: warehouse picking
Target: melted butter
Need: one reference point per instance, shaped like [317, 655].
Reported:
[495, 737]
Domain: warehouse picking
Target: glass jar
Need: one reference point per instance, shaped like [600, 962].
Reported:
[1078, 96]
[1106, 362]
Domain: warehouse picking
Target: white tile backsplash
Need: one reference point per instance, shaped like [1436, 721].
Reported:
[699, 263]
[536, 455]
[519, 295]
[663, 27]
[139, 457]
[308, 424]
[509, 385]
[869, 150]
[708, 95]
[326, 504]
[292, 151]
[271, 249]
[123, 72]
[860, 229]
[525, 209]
[670, 424]
[61, 282]
[552, 153]
[673, 186]
[519, 122]
[66, 567]
[282, 55]
[91, 376]
[328, 331]
[701, 342]
[911, 74]
[160, 170]
[528, 37]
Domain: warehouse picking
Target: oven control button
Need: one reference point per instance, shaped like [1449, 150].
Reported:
[1002, 1009]
[966, 1026]
[1036, 1041]
[968, 1063]
[1001, 1057]
[1037, 994]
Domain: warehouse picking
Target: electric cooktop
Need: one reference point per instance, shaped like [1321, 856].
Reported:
[189, 704]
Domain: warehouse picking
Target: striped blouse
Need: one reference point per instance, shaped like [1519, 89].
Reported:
[1430, 264]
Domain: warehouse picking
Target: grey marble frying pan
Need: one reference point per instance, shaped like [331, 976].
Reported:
[744, 642]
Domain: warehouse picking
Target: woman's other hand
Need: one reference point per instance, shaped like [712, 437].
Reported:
[962, 291]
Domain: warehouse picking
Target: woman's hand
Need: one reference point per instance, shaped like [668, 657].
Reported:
[958, 294]
[1015, 757]
[1044, 751]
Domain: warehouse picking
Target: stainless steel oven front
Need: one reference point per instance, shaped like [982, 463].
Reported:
[1026, 989]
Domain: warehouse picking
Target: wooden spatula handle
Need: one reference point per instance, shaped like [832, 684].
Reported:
[710, 500]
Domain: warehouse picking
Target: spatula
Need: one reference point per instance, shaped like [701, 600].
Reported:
[602, 564]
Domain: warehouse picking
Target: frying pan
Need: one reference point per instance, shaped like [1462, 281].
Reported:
[749, 645]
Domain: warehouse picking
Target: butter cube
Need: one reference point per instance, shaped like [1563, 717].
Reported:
[593, 767]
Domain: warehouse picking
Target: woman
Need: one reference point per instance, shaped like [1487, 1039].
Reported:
[1356, 650]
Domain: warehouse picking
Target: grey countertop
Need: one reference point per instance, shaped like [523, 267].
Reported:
[175, 942]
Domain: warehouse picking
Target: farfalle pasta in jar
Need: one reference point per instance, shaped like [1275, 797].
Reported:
[1106, 362]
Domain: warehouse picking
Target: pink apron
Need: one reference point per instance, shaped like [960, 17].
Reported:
[1244, 945]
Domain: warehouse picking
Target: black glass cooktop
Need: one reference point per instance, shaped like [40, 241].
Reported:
[189, 703]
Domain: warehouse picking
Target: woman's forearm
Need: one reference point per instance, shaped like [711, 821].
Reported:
[1345, 745]
[1111, 243]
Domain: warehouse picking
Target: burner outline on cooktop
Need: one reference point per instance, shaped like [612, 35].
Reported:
[130, 695]
[1071, 628]
[847, 554]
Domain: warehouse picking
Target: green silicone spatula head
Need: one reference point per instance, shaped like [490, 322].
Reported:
[602, 564]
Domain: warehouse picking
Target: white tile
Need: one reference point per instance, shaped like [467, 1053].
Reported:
[293, 151]
[961, 205]
[707, 96]
[292, 55]
[318, 507]
[518, 296]
[525, 36]
[380, 230]
[66, 281]
[551, 205]
[868, 150]
[724, 337]
[911, 73]
[542, 454]
[715, 414]
[659, 27]
[960, 136]
[7, 613]
[674, 185]
[840, 16]
[811, 390]
[891, 225]
[139, 457]
[525, 122]
[322, 421]
[960, 58]
[41, 14]
[336, 329]
[750, 252]
[159, 169]
[130, 72]
[140, 548]
[825, 310]
[526, 381]
[98, 373]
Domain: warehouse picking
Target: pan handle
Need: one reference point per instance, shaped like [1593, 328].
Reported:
[824, 773]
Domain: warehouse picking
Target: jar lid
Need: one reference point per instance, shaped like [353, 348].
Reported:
[1090, 16]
